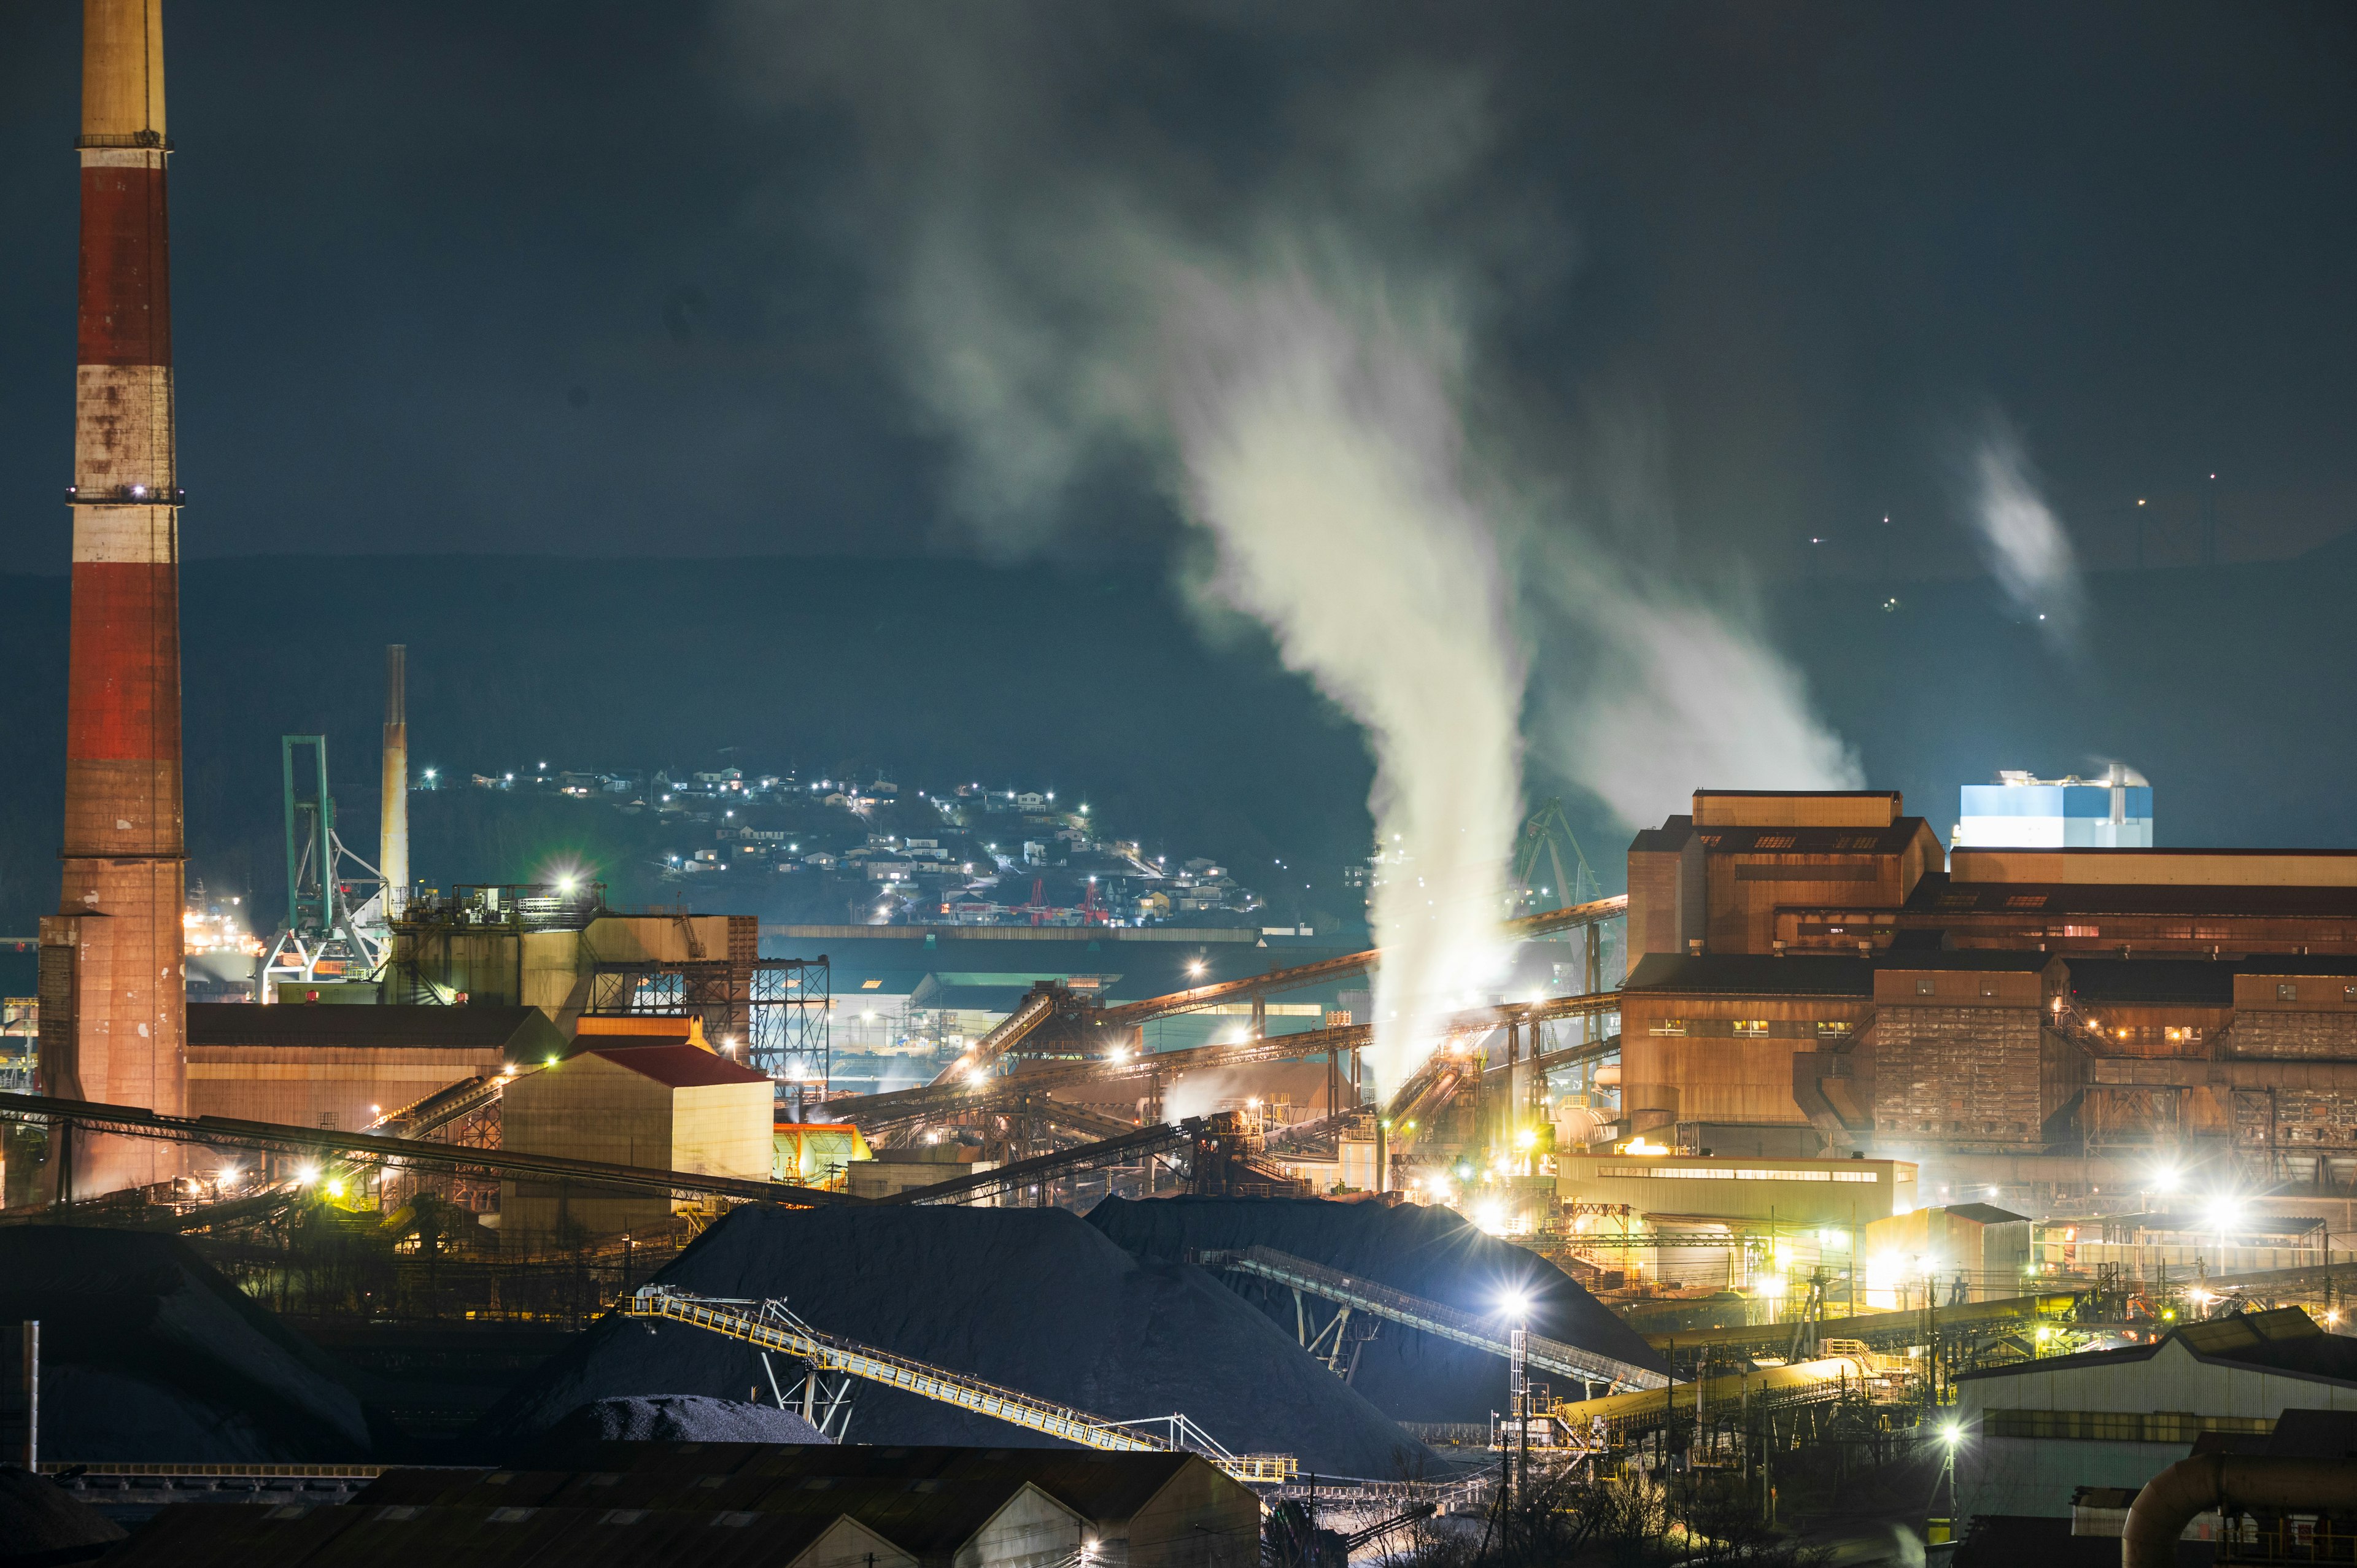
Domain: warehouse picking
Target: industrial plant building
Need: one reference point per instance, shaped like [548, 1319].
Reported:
[1814, 960]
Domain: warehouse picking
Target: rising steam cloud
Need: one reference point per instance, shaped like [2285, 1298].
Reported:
[1324, 461]
[2026, 548]
[1287, 351]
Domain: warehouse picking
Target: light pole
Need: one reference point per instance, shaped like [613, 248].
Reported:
[1517, 1401]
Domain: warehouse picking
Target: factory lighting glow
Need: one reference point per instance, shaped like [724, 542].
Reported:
[1491, 1218]
[335, 1189]
[227, 1173]
[1514, 1304]
[305, 1174]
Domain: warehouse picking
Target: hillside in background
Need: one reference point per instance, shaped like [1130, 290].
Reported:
[936, 673]
[2226, 686]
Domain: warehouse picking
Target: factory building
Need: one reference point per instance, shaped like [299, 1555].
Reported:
[2036, 1430]
[542, 947]
[342, 1067]
[655, 1097]
[1804, 961]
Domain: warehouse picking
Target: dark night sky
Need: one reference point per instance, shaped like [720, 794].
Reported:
[537, 277]
[530, 279]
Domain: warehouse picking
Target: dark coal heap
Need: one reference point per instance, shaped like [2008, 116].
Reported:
[1030, 1299]
[41, 1523]
[1430, 1252]
[668, 1418]
[147, 1352]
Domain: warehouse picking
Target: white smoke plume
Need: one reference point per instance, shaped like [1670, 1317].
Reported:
[1692, 699]
[1284, 343]
[1667, 687]
[1324, 462]
[2028, 549]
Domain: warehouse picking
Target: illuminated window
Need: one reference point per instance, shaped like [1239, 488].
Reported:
[1923, 985]
[2286, 991]
[1751, 1026]
[1833, 1026]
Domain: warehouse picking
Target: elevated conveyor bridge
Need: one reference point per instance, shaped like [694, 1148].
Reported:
[1362, 1294]
[767, 1325]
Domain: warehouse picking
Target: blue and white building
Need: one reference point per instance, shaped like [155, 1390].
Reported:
[2020, 811]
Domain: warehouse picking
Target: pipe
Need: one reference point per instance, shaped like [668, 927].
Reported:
[2171, 1499]
[392, 839]
[113, 976]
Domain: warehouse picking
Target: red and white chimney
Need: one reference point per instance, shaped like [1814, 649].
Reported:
[114, 1013]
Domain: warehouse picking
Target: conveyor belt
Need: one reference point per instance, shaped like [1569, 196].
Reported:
[767, 1325]
[1876, 1329]
[1130, 1145]
[268, 1137]
[1429, 1317]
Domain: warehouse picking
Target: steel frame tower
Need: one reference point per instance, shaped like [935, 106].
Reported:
[113, 1009]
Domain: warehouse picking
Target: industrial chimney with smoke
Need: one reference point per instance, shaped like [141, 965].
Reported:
[113, 1002]
[392, 837]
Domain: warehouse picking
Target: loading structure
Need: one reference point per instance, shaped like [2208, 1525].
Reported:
[769, 1327]
[1355, 1294]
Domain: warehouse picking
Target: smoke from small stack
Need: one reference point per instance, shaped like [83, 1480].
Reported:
[114, 1006]
[392, 839]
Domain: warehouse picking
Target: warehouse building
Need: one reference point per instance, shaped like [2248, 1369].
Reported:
[662, 1101]
[2036, 1432]
[815, 1506]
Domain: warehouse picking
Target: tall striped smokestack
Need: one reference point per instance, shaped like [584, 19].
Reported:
[112, 983]
[392, 844]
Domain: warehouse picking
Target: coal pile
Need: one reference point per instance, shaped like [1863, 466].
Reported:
[41, 1523]
[147, 1352]
[1430, 1252]
[667, 1418]
[1035, 1300]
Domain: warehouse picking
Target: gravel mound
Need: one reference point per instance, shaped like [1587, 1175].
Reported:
[668, 1418]
[1030, 1299]
[41, 1522]
[147, 1352]
[1430, 1252]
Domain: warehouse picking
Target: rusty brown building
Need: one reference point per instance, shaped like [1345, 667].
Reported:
[1817, 962]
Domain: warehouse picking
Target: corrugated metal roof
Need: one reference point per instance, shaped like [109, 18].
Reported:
[702, 1503]
[676, 1067]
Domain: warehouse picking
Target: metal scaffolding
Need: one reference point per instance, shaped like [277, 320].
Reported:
[777, 1008]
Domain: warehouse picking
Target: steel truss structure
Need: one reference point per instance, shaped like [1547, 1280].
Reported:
[777, 1008]
[768, 1326]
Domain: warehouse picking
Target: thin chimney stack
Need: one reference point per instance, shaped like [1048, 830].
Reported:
[392, 846]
